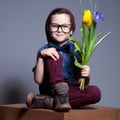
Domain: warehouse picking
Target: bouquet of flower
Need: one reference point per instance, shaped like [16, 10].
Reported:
[89, 42]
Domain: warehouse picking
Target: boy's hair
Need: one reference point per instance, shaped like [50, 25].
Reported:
[58, 11]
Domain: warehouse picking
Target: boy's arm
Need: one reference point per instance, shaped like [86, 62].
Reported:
[39, 71]
[39, 67]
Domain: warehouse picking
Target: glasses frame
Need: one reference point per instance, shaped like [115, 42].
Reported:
[61, 26]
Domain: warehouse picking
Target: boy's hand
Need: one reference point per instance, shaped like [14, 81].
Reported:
[50, 52]
[85, 72]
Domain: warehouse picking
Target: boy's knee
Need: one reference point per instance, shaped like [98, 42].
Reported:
[96, 94]
[50, 60]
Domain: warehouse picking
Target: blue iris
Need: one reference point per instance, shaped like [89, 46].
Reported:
[98, 16]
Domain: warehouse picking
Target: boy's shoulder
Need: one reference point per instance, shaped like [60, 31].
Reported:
[43, 47]
[71, 45]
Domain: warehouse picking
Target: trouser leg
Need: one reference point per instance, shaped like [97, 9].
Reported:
[53, 70]
[90, 95]
[59, 88]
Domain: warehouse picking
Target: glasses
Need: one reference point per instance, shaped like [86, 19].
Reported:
[65, 27]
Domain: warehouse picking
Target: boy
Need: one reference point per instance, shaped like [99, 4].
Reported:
[55, 71]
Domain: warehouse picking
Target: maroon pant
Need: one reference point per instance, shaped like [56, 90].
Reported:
[53, 75]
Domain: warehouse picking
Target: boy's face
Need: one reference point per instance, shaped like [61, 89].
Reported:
[60, 28]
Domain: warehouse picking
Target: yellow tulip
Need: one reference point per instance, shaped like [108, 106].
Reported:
[87, 18]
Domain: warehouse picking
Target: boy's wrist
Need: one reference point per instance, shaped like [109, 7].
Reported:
[39, 55]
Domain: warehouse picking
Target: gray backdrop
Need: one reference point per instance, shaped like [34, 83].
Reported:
[22, 33]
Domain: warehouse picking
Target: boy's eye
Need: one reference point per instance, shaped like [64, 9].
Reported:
[64, 27]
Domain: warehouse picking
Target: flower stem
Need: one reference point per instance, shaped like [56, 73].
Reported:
[82, 84]
[81, 6]
[91, 5]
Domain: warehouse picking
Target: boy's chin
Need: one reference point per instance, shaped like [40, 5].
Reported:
[61, 42]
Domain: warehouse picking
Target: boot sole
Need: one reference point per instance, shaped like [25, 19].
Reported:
[63, 110]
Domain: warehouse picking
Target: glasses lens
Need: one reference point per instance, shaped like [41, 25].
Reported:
[64, 27]
[54, 27]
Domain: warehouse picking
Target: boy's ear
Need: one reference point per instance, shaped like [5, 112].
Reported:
[71, 32]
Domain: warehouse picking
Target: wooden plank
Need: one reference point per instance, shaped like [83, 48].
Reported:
[91, 112]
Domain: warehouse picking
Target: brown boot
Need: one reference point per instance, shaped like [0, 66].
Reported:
[39, 101]
[61, 101]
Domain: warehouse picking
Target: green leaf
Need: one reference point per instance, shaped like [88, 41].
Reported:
[106, 35]
[77, 44]
[93, 42]
[92, 30]
[76, 62]
[85, 41]
[82, 32]
[78, 49]
[91, 47]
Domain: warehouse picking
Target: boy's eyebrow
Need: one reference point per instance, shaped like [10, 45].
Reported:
[62, 24]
